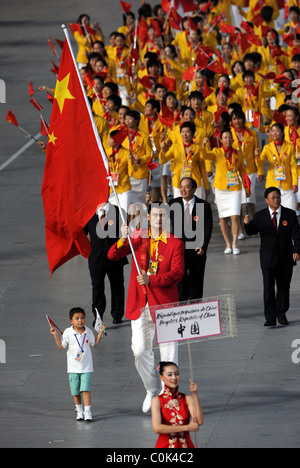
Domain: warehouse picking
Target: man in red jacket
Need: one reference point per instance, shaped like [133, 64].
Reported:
[160, 256]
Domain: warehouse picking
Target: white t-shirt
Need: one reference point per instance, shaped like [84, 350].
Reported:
[78, 346]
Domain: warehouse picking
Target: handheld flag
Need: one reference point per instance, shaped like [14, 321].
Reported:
[98, 323]
[11, 118]
[51, 323]
[31, 90]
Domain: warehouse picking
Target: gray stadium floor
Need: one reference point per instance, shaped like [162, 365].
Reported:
[248, 386]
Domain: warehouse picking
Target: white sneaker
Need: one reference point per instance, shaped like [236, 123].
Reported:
[147, 402]
[80, 416]
[227, 251]
[236, 251]
[241, 236]
[88, 415]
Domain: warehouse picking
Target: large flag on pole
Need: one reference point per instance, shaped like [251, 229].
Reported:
[76, 170]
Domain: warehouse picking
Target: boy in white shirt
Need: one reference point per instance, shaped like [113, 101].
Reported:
[78, 338]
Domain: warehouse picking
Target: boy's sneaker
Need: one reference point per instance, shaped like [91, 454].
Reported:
[80, 416]
[88, 415]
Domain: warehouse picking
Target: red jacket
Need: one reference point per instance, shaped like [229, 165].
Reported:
[163, 286]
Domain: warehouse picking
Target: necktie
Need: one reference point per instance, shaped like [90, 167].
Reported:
[187, 213]
[275, 220]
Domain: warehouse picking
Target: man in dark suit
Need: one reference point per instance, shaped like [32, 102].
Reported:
[104, 231]
[280, 250]
[192, 221]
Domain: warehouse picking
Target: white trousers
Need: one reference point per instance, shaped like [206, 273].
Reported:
[143, 331]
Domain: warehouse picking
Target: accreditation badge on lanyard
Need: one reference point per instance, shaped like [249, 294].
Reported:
[187, 165]
[80, 353]
[115, 179]
[298, 158]
[232, 178]
[153, 264]
[280, 173]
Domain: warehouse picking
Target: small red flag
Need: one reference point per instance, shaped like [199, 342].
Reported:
[165, 4]
[52, 46]
[50, 97]
[73, 184]
[120, 136]
[60, 43]
[166, 121]
[189, 74]
[278, 117]
[175, 19]
[147, 82]
[36, 104]
[44, 127]
[247, 183]
[11, 118]
[256, 119]
[75, 27]
[192, 24]
[54, 69]
[53, 324]
[31, 90]
[216, 68]
[169, 83]
[227, 28]
[126, 7]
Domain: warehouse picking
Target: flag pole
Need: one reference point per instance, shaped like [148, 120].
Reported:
[98, 139]
[26, 133]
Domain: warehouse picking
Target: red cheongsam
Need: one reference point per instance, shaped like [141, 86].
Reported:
[174, 412]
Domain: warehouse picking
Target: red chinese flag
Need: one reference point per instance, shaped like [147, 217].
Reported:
[216, 67]
[44, 127]
[169, 83]
[50, 97]
[36, 104]
[278, 117]
[120, 136]
[167, 122]
[165, 4]
[256, 119]
[31, 90]
[126, 7]
[189, 74]
[175, 19]
[10, 117]
[188, 5]
[192, 24]
[60, 43]
[75, 176]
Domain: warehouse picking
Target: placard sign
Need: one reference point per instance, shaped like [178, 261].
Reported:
[188, 322]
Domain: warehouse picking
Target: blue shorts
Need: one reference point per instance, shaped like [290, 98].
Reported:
[79, 383]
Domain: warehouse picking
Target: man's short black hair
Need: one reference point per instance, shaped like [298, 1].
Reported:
[270, 190]
[193, 182]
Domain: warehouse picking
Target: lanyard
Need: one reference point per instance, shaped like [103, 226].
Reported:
[82, 345]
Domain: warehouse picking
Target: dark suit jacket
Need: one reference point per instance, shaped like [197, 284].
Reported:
[277, 247]
[208, 221]
[102, 239]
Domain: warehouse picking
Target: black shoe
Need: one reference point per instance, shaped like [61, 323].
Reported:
[270, 323]
[283, 321]
[116, 321]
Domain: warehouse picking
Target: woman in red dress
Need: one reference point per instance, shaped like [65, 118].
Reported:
[174, 414]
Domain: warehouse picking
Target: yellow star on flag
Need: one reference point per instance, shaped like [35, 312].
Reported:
[52, 138]
[62, 92]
